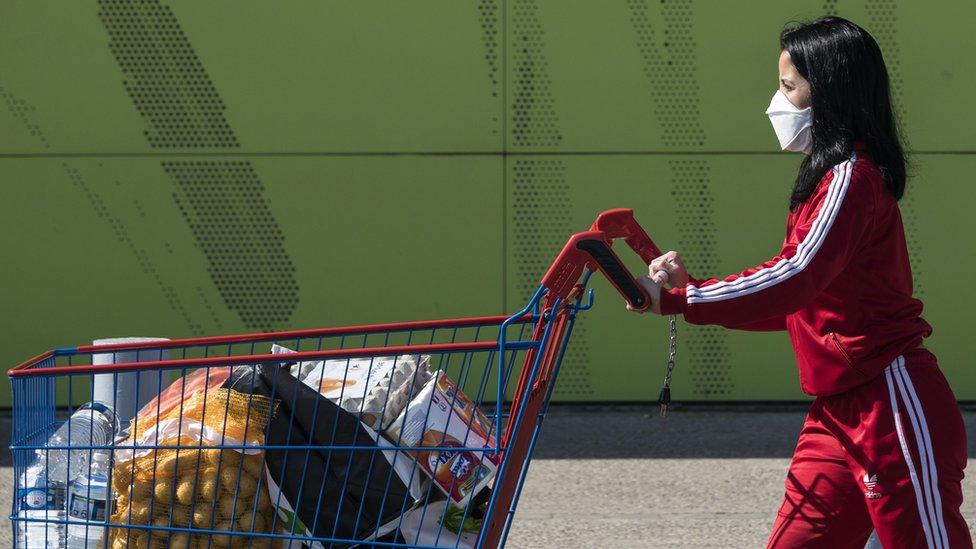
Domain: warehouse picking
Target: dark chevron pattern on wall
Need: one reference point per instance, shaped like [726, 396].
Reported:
[165, 78]
[883, 18]
[541, 217]
[182, 109]
[541, 204]
[670, 64]
[145, 259]
[694, 205]
[534, 120]
[668, 49]
[489, 20]
[22, 110]
[247, 260]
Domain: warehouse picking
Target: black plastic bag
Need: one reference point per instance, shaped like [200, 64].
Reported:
[353, 491]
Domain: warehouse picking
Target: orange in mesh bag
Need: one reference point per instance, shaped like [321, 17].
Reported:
[203, 488]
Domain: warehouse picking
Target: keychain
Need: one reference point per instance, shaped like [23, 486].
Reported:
[664, 399]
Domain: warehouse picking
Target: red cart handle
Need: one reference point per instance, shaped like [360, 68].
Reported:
[591, 249]
[620, 223]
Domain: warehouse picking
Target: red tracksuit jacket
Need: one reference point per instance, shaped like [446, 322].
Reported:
[841, 285]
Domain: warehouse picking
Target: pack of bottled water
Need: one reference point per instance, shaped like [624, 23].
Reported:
[68, 480]
[40, 501]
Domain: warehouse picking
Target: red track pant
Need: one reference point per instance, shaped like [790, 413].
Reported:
[887, 455]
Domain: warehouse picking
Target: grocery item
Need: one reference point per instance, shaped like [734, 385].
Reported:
[315, 485]
[92, 424]
[459, 520]
[376, 389]
[443, 416]
[181, 390]
[430, 526]
[88, 499]
[407, 378]
[44, 490]
[204, 487]
[39, 500]
[297, 369]
[127, 391]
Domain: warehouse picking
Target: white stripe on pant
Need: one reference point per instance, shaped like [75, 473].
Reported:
[927, 488]
[926, 454]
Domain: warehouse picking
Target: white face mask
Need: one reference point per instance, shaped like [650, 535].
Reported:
[792, 125]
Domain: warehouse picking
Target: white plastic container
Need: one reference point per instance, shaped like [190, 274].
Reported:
[89, 500]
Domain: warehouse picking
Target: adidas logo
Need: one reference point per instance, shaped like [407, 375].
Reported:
[871, 482]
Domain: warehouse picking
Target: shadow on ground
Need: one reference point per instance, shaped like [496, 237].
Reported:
[706, 431]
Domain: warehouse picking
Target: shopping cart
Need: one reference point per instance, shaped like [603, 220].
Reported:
[274, 463]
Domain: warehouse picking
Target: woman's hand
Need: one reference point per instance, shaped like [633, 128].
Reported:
[671, 264]
[652, 285]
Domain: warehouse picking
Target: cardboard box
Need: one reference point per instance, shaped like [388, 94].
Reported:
[443, 416]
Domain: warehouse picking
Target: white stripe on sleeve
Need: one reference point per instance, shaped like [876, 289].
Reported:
[786, 267]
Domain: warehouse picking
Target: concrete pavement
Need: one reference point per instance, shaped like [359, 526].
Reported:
[702, 477]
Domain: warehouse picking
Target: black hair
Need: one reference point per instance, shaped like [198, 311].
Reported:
[851, 101]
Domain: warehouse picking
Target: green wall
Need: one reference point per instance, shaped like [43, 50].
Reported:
[186, 168]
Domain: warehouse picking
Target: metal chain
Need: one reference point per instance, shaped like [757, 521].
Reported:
[665, 398]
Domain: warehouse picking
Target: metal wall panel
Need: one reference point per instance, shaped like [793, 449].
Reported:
[105, 247]
[253, 76]
[182, 168]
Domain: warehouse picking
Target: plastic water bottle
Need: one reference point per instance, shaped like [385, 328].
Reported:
[39, 501]
[94, 424]
[89, 499]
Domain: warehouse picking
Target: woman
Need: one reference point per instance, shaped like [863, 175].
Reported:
[883, 445]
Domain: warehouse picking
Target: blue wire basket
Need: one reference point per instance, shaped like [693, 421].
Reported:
[283, 439]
